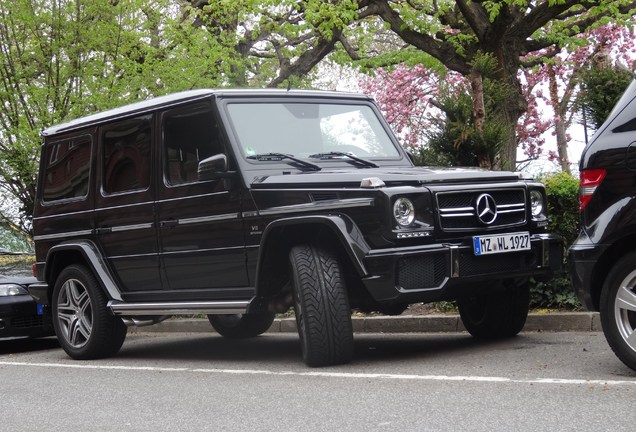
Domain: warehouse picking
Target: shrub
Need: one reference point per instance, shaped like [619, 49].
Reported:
[562, 190]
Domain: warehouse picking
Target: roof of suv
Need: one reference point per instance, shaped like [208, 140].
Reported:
[178, 98]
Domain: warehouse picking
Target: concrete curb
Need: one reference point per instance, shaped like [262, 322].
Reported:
[554, 322]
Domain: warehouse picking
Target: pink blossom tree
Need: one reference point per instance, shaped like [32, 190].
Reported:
[410, 99]
[605, 46]
[408, 95]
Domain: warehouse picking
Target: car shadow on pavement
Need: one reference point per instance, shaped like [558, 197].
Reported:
[15, 346]
[286, 348]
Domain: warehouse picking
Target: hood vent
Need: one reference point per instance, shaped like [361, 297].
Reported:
[323, 196]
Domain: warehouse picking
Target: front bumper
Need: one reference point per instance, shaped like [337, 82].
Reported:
[19, 318]
[442, 271]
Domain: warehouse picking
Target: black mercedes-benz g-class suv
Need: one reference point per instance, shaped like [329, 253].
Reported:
[243, 203]
[602, 261]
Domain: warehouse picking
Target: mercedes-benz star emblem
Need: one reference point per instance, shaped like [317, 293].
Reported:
[486, 209]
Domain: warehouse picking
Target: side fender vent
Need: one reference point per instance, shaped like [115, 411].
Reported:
[323, 196]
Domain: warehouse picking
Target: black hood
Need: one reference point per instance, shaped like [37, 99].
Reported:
[20, 280]
[391, 176]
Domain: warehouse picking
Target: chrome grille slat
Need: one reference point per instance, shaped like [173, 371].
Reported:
[457, 210]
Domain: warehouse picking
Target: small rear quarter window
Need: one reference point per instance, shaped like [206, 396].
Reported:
[67, 169]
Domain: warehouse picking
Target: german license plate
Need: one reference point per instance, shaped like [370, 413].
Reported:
[501, 243]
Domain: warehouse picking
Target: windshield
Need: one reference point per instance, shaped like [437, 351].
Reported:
[303, 130]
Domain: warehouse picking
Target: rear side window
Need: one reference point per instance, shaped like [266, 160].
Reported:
[126, 146]
[67, 169]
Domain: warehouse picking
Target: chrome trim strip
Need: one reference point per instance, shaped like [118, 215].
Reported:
[178, 308]
[63, 235]
[456, 209]
[131, 227]
[61, 215]
[189, 250]
[215, 218]
[183, 198]
[138, 204]
[319, 205]
[457, 215]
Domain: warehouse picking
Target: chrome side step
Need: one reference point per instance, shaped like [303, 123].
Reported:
[177, 308]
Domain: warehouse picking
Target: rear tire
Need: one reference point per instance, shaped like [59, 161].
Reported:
[497, 315]
[84, 326]
[322, 307]
[241, 326]
[618, 309]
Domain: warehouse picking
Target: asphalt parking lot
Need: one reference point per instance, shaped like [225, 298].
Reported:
[397, 381]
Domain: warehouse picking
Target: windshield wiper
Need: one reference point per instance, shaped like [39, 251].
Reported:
[282, 156]
[335, 155]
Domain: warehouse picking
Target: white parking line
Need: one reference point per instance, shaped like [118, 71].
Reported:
[320, 374]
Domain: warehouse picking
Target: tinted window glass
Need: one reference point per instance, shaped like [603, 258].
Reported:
[190, 135]
[127, 155]
[67, 169]
[305, 129]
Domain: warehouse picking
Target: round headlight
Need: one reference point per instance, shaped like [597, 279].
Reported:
[12, 290]
[404, 212]
[536, 202]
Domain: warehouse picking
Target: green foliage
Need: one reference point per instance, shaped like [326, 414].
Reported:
[562, 192]
[602, 87]
[389, 60]
[14, 241]
[63, 59]
[328, 17]
[556, 294]
[455, 140]
[19, 265]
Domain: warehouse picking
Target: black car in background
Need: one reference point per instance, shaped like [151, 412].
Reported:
[603, 259]
[20, 315]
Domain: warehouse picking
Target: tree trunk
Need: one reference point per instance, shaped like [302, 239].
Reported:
[559, 122]
[514, 106]
[508, 150]
[562, 146]
[479, 110]
[479, 113]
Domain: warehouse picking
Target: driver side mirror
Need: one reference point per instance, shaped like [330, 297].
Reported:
[213, 167]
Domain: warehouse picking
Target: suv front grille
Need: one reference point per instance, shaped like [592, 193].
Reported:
[27, 321]
[458, 210]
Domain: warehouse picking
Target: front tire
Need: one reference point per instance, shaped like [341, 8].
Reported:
[84, 326]
[322, 307]
[497, 315]
[618, 309]
[241, 326]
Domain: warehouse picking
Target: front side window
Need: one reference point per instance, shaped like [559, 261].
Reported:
[126, 147]
[303, 129]
[190, 135]
[67, 173]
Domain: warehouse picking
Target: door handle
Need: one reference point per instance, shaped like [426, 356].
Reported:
[170, 223]
[103, 230]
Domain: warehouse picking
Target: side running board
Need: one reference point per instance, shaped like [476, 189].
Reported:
[177, 308]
